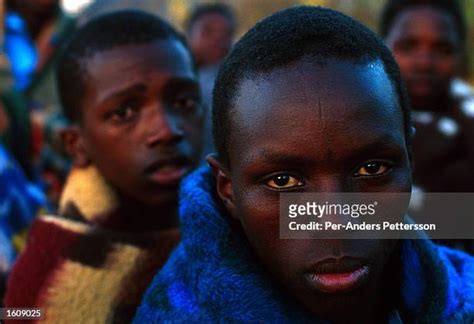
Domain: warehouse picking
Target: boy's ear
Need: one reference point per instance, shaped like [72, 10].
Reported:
[223, 183]
[73, 143]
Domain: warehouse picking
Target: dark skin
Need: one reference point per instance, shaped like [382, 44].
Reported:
[141, 125]
[210, 38]
[37, 13]
[428, 50]
[331, 128]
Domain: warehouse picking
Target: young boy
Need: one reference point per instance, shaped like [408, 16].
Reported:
[210, 30]
[128, 85]
[428, 40]
[308, 101]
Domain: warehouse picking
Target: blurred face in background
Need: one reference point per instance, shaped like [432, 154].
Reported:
[142, 131]
[428, 49]
[39, 7]
[210, 38]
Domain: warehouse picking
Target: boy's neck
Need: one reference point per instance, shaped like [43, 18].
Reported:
[133, 216]
[443, 103]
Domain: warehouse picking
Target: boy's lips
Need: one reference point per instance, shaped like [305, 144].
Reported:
[422, 84]
[168, 172]
[334, 276]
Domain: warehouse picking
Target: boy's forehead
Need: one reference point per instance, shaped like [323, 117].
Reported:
[337, 87]
[419, 16]
[110, 70]
[317, 100]
[309, 109]
[211, 16]
[165, 54]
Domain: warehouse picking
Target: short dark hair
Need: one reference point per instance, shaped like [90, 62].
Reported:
[287, 37]
[105, 32]
[211, 8]
[393, 8]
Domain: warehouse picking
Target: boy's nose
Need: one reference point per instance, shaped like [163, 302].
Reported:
[424, 60]
[162, 128]
[330, 183]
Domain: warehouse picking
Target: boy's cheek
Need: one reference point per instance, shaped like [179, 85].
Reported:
[402, 180]
[194, 135]
[260, 218]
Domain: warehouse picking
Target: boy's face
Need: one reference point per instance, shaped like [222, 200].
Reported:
[210, 38]
[141, 119]
[427, 48]
[309, 128]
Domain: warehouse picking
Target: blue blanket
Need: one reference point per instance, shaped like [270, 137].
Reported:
[212, 275]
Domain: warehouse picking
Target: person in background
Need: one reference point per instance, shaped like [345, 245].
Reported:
[34, 31]
[129, 89]
[428, 41]
[28, 30]
[210, 30]
[17, 134]
[20, 203]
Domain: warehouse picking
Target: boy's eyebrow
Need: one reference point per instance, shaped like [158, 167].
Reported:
[277, 157]
[383, 144]
[177, 83]
[140, 87]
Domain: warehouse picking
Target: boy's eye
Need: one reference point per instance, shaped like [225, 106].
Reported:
[124, 112]
[445, 49]
[283, 181]
[405, 46]
[372, 169]
[186, 103]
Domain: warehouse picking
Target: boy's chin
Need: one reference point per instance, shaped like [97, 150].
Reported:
[332, 304]
[426, 99]
[162, 201]
[159, 200]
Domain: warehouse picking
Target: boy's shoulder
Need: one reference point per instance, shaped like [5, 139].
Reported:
[212, 275]
[64, 259]
[460, 273]
[87, 195]
[48, 240]
[446, 283]
[462, 262]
